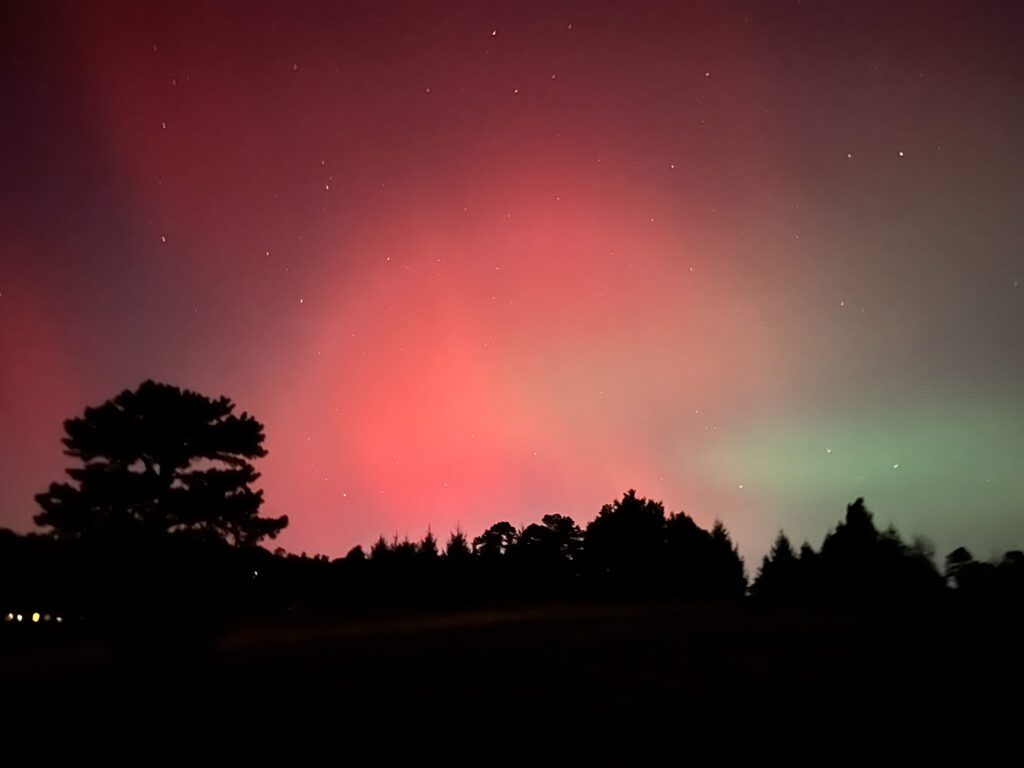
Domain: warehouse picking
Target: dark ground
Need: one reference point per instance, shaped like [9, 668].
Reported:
[583, 684]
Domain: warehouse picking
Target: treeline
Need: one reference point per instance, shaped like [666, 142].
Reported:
[631, 550]
[634, 549]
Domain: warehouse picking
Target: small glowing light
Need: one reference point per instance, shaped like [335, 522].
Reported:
[741, 486]
[895, 466]
[35, 617]
[494, 33]
[60, 619]
[18, 617]
[255, 573]
[9, 617]
[849, 155]
[163, 126]
[163, 238]
[901, 153]
[828, 450]
[295, 67]
[47, 617]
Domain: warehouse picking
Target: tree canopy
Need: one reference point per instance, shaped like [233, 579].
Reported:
[160, 460]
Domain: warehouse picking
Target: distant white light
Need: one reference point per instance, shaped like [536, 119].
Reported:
[9, 617]
[895, 466]
[18, 617]
[255, 573]
[60, 619]
[36, 617]
[901, 153]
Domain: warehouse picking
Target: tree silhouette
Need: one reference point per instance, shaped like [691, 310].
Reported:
[156, 461]
[496, 542]
[457, 549]
[726, 574]
[700, 563]
[546, 555]
[859, 561]
[427, 548]
[780, 571]
[567, 536]
[624, 542]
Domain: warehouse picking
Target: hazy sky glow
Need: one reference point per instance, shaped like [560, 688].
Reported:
[474, 261]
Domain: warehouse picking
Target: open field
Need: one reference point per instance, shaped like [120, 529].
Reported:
[586, 684]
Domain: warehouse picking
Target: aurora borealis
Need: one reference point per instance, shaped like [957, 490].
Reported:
[481, 261]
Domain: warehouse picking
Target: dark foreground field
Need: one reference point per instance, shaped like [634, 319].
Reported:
[596, 684]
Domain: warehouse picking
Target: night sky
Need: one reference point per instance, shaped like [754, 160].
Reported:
[470, 262]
